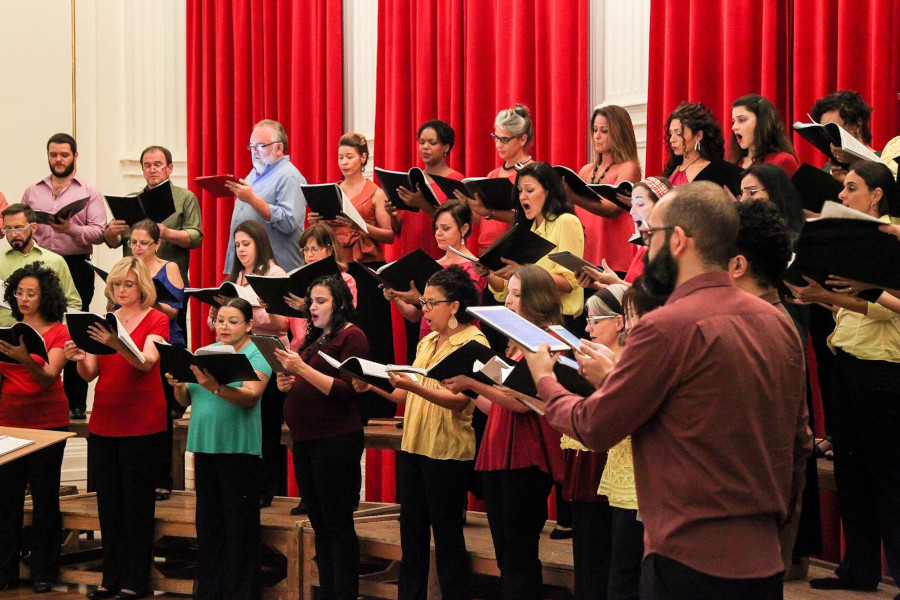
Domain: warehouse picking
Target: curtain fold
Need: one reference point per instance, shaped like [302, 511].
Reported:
[249, 60]
[462, 62]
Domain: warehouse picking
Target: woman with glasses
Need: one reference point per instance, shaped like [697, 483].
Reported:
[32, 396]
[513, 135]
[520, 456]
[125, 434]
[327, 431]
[769, 182]
[253, 255]
[225, 437]
[144, 243]
[438, 446]
[606, 225]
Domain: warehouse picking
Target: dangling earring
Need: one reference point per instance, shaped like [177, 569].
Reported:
[453, 323]
[697, 146]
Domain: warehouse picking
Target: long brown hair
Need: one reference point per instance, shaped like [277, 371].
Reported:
[264, 254]
[621, 133]
[540, 302]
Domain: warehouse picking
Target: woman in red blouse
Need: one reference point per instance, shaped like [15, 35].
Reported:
[31, 395]
[127, 426]
[758, 135]
[520, 456]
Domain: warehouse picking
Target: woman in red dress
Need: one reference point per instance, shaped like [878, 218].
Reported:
[127, 426]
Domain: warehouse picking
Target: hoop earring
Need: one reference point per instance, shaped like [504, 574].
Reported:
[453, 323]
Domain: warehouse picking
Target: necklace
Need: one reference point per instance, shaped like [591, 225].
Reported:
[684, 167]
[518, 166]
[594, 179]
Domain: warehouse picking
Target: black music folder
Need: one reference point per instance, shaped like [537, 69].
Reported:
[416, 266]
[66, 212]
[273, 289]
[518, 243]
[33, 341]
[815, 187]
[496, 193]
[465, 360]
[222, 362]
[78, 323]
[413, 180]
[156, 204]
[595, 191]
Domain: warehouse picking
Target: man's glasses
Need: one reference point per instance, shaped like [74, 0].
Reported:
[15, 230]
[251, 147]
[647, 234]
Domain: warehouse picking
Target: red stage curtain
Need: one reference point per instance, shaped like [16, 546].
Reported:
[847, 45]
[249, 60]
[462, 62]
[714, 51]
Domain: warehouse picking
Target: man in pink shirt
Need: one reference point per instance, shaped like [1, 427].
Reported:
[73, 238]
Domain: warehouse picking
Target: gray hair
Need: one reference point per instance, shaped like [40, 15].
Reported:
[517, 121]
[280, 134]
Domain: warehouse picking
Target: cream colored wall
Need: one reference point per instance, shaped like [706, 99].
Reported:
[130, 83]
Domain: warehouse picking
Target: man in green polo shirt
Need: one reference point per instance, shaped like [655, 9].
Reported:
[19, 225]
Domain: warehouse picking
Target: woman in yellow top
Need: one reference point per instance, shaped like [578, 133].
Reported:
[543, 202]
[865, 383]
[438, 448]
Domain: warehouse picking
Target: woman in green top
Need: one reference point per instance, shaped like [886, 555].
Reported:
[225, 437]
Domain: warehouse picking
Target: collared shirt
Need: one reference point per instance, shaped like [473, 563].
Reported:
[86, 226]
[711, 387]
[432, 430]
[186, 218]
[13, 260]
[567, 233]
[279, 185]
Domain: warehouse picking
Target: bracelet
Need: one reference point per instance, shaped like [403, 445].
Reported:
[490, 215]
[216, 391]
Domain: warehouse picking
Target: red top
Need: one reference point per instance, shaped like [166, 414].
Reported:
[25, 403]
[312, 415]
[357, 245]
[518, 440]
[416, 230]
[491, 229]
[787, 161]
[605, 237]
[127, 401]
[637, 265]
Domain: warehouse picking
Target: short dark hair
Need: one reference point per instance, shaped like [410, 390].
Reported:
[148, 225]
[245, 308]
[877, 175]
[17, 209]
[764, 240]
[458, 287]
[162, 149]
[52, 306]
[458, 211]
[63, 138]
[556, 202]
[695, 117]
[707, 216]
[782, 194]
[850, 106]
[445, 133]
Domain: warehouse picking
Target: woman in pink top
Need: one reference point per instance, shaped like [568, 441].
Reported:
[606, 226]
[758, 135]
[520, 456]
[253, 255]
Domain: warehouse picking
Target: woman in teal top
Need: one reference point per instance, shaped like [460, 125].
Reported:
[225, 437]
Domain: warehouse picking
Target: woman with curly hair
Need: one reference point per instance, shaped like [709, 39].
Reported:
[32, 396]
[758, 135]
[697, 149]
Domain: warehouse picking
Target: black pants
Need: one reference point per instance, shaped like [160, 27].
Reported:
[41, 470]
[821, 325]
[591, 523]
[431, 500]
[627, 542]
[83, 277]
[329, 477]
[228, 530]
[867, 465]
[666, 579]
[272, 473]
[164, 464]
[124, 471]
[516, 502]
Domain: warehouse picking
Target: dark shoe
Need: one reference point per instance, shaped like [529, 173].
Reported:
[301, 508]
[78, 413]
[836, 583]
[265, 501]
[162, 494]
[42, 587]
[129, 595]
[100, 594]
[559, 533]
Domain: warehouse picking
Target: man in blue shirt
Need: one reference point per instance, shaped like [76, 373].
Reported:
[271, 195]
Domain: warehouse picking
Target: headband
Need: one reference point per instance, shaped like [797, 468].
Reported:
[656, 186]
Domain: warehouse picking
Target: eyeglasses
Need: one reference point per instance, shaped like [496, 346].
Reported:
[20, 294]
[430, 304]
[141, 243]
[501, 139]
[227, 324]
[751, 191]
[313, 249]
[251, 147]
[647, 234]
[15, 230]
[598, 318]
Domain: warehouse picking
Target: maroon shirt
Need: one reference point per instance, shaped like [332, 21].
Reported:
[711, 387]
[312, 415]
